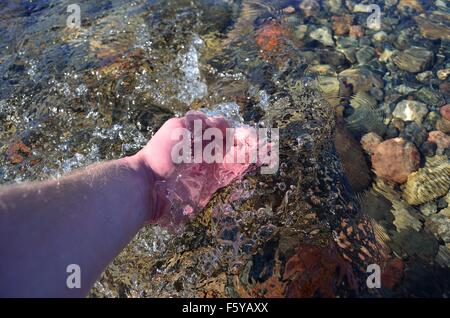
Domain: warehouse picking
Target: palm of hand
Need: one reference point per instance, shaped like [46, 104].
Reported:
[186, 188]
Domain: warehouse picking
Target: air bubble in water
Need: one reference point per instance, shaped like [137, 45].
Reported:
[188, 210]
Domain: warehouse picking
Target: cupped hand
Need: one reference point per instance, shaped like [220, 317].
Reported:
[182, 189]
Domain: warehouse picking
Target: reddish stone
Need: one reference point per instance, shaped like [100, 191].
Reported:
[317, 271]
[392, 273]
[356, 31]
[395, 159]
[439, 138]
[271, 38]
[378, 51]
[17, 151]
[370, 141]
[445, 111]
[341, 24]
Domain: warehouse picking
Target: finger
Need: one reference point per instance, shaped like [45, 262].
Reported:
[193, 116]
[174, 123]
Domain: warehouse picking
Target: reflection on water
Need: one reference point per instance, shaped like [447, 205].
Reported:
[70, 97]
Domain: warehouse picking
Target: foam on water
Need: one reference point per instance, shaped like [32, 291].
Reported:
[192, 86]
[229, 110]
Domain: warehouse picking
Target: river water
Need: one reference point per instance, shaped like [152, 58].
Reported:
[74, 96]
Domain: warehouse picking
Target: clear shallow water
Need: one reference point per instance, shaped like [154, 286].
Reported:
[72, 97]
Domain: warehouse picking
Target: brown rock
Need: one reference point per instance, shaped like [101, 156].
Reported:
[443, 125]
[439, 224]
[395, 159]
[341, 24]
[361, 79]
[432, 31]
[370, 141]
[445, 88]
[434, 26]
[310, 7]
[414, 59]
[445, 111]
[398, 123]
[317, 271]
[413, 4]
[392, 273]
[356, 31]
[352, 157]
[440, 139]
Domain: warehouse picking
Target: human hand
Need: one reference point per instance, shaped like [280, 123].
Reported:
[182, 189]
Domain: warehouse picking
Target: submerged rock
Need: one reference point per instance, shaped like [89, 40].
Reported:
[380, 36]
[411, 4]
[429, 208]
[445, 111]
[434, 26]
[408, 239]
[353, 160]
[439, 224]
[443, 74]
[430, 120]
[424, 76]
[440, 139]
[430, 97]
[395, 159]
[414, 133]
[428, 149]
[356, 31]
[271, 38]
[406, 218]
[445, 87]
[310, 7]
[443, 125]
[361, 79]
[429, 182]
[333, 5]
[370, 141]
[341, 24]
[443, 255]
[313, 271]
[365, 116]
[323, 35]
[410, 110]
[365, 54]
[414, 60]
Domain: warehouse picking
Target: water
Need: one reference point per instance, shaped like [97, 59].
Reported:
[71, 97]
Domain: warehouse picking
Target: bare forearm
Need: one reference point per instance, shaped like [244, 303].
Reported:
[85, 219]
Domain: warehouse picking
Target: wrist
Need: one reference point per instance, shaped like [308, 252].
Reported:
[153, 200]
